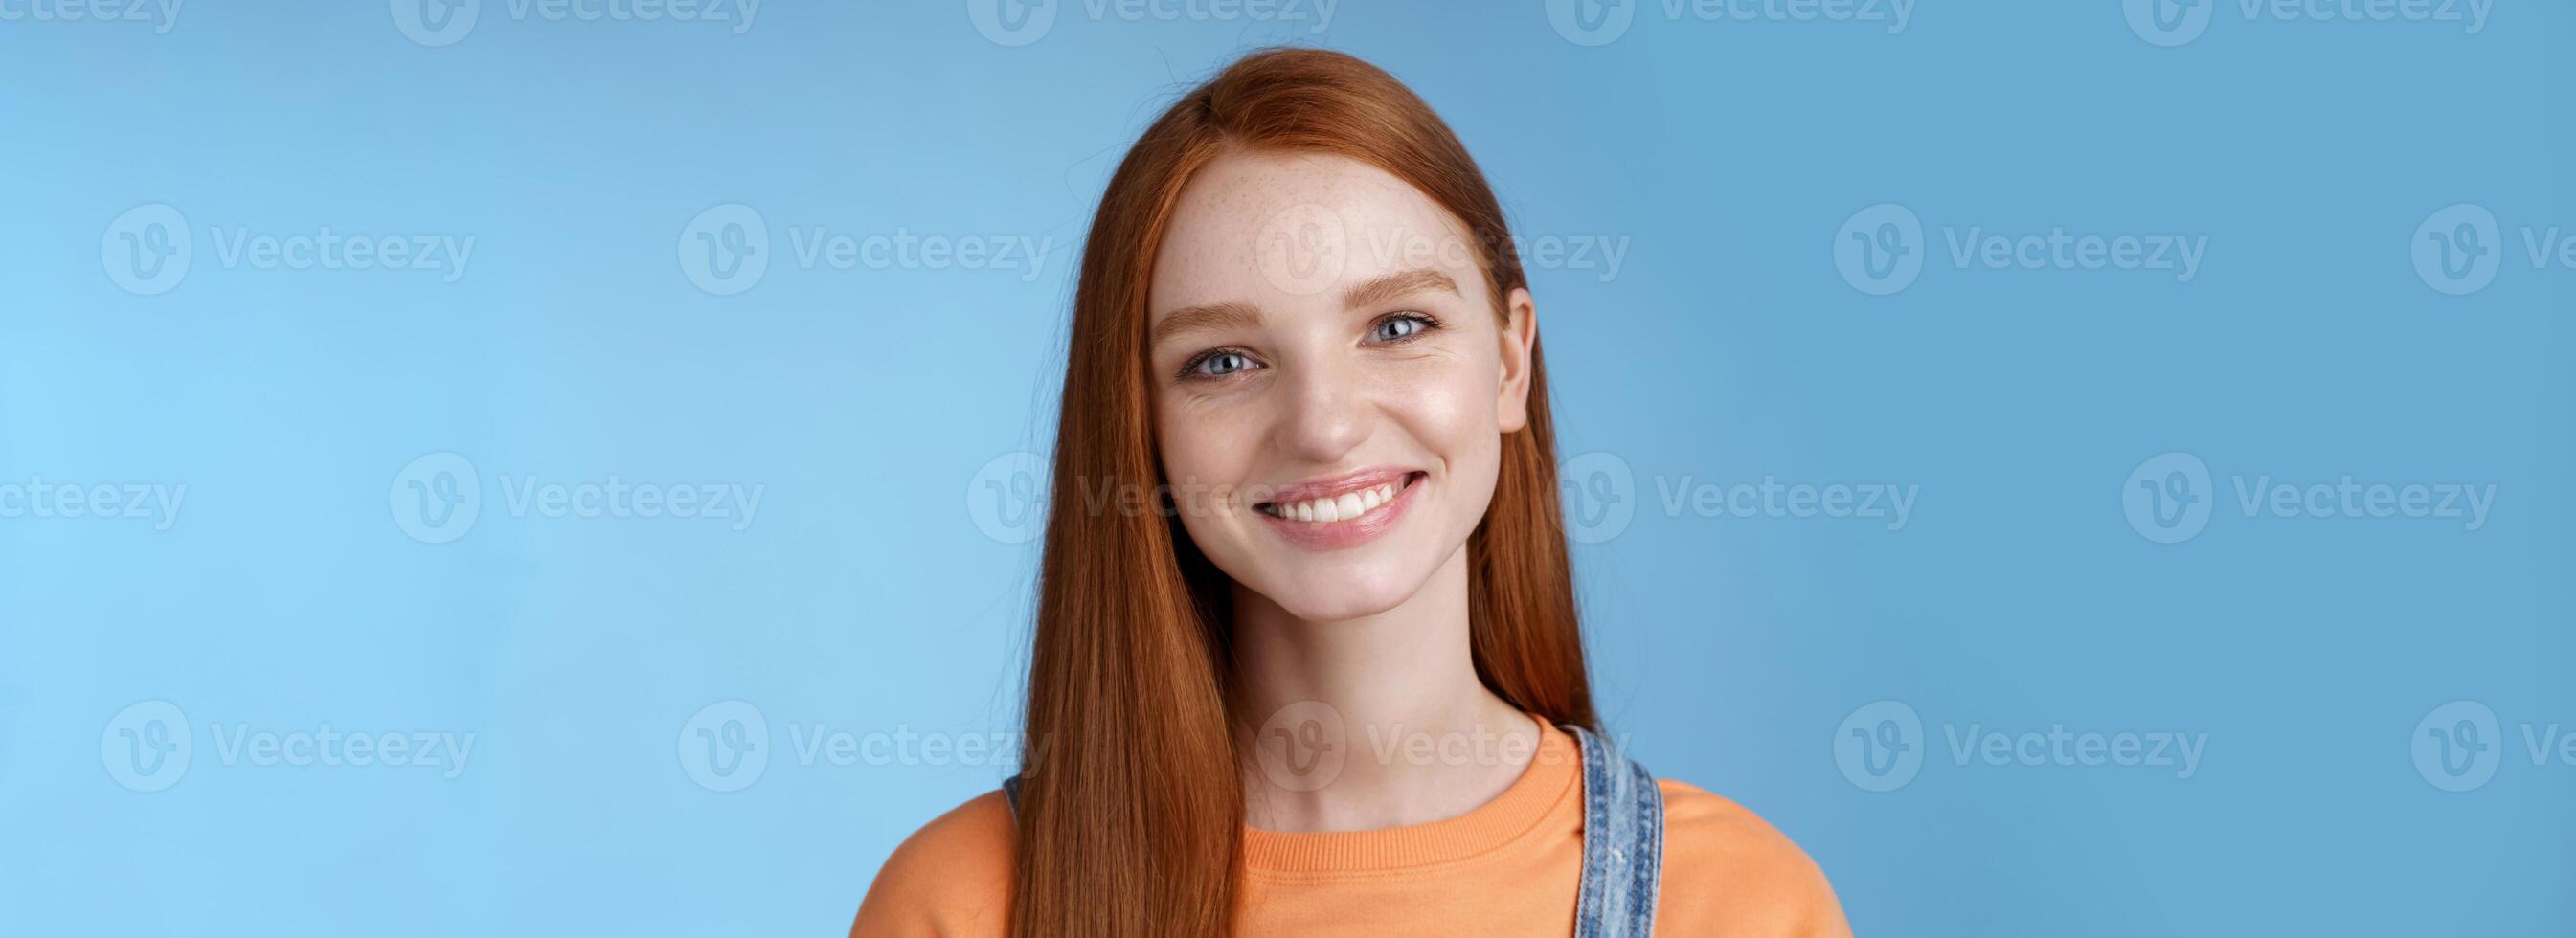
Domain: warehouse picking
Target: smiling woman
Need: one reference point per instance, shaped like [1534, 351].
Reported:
[1337, 686]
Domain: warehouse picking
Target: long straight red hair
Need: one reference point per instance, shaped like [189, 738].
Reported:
[1131, 804]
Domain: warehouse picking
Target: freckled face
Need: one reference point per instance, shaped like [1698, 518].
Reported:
[1331, 381]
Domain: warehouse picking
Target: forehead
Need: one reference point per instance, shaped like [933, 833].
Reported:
[1289, 231]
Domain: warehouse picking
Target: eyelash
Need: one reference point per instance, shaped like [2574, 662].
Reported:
[1430, 324]
[1190, 369]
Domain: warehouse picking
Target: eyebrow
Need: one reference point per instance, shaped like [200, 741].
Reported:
[1218, 317]
[1389, 287]
[1206, 317]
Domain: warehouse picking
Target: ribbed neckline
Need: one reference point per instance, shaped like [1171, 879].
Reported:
[1549, 782]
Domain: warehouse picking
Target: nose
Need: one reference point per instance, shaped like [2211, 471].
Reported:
[1324, 414]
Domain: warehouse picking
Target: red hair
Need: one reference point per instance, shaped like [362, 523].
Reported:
[1131, 805]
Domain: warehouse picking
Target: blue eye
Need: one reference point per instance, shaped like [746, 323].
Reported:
[1217, 364]
[1402, 326]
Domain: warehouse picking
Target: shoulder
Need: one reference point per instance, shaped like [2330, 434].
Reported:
[1728, 871]
[951, 877]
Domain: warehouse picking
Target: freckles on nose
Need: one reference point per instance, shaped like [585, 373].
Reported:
[1324, 415]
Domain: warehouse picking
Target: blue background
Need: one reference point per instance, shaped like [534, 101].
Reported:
[866, 597]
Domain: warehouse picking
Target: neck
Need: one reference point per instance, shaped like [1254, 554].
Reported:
[1390, 678]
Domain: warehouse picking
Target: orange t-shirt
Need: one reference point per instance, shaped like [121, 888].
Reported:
[1510, 867]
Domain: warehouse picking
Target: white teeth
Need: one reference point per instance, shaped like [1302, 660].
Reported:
[1340, 508]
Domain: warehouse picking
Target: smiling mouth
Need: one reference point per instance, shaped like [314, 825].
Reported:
[1346, 506]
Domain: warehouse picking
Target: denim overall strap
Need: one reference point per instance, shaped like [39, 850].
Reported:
[1623, 844]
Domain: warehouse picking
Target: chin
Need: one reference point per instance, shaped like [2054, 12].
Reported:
[1339, 594]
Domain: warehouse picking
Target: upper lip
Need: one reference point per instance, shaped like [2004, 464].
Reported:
[1346, 483]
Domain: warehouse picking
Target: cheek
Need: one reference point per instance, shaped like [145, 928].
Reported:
[1448, 408]
[1452, 415]
[1205, 454]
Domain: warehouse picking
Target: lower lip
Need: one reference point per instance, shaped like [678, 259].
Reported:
[1335, 535]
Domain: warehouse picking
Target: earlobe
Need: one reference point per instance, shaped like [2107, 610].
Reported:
[1519, 338]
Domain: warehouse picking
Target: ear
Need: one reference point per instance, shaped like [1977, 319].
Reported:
[1520, 343]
